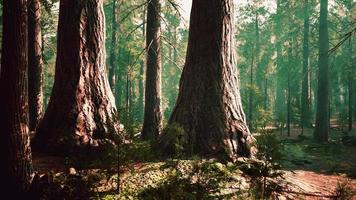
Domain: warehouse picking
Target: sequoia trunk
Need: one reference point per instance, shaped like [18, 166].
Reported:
[15, 151]
[209, 105]
[152, 124]
[322, 111]
[35, 70]
[81, 111]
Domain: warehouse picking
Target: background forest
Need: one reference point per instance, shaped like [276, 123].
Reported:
[271, 82]
[294, 76]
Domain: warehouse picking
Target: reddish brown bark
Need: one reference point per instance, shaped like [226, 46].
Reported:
[209, 104]
[81, 112]
[15, 151]
[35, 70]
[152, 124]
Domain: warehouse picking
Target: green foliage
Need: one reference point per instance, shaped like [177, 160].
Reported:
[173, 141]
[269, 147]
[198, 181]
[265, 167]
[105, 155]
[140, 151]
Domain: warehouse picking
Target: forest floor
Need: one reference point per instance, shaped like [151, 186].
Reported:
[315, 170]
[310, 171]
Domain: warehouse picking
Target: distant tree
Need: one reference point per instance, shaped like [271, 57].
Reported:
[152, 124]
[113, 54]
[209, 105]
[35, 63]
[15, 151]
[305, 117]
[322, 113]
[82, 109]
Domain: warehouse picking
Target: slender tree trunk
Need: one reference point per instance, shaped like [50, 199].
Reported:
[15, 151]
[141, 85]
[322, 114]
[81, 112]
[209, 105]
[350, 103]
[35, 64]
[288, 101]
[351, 75]
[280, 96]
[305, 116]
[250, 96]
[112, 69]
[152, 124]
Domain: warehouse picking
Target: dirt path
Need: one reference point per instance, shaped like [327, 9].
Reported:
[311, 185]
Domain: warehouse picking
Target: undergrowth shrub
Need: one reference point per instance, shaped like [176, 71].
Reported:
[265, 169]
[173, 142]
[343, 191]
[196, 181]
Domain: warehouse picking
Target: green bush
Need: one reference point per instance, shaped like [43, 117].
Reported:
[201, 180]
[173, 141]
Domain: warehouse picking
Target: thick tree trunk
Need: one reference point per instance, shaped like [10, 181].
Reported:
[35, 64]
[322, 113]
[152, 124]
[15, 151]
[81, 112]
[112, 69]
[305, 116]
[209, 105]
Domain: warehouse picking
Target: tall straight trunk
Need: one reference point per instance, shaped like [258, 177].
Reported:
[81, 112]
[250, 96]
[112, 69]
[265, 104]
[350, 102]
[305, 115]
[128, 90]
[321, 132]
[288, 99]
[209, 105]
[152, 124]
[280, 96]
[141, 84]
[15, 151]
[35, 63]
[351, 75]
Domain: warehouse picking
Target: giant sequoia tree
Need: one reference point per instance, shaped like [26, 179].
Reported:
[152, 124]
[82, 110]
[15, 152]
[35, 71]
[209, 104]
[322, 111]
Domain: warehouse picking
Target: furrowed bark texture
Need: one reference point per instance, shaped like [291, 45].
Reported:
[152, 124]
[35, 70]
[209, 104]
[15, 151]
[82, 109]
[321, 132]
